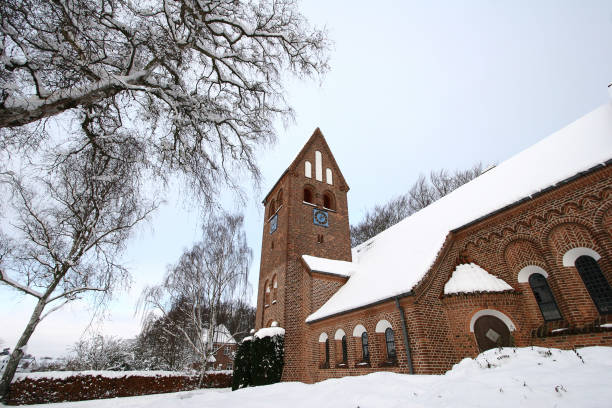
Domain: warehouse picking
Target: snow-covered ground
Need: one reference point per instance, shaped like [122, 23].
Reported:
[526, 377]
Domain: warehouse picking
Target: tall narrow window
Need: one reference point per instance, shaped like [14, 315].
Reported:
[344, 350]
[364, 346]
[267, 293]
[544, 297]
[595, 282]
[274, 289]
[318, 166]
[327, 351]
[390, 340]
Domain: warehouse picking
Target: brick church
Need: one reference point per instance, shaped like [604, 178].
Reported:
[519, 256]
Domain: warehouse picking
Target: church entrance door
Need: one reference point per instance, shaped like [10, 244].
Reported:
[491, 332]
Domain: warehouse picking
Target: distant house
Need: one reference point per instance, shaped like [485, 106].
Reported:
[225, 346]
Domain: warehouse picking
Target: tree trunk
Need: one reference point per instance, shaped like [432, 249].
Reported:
[17, 353]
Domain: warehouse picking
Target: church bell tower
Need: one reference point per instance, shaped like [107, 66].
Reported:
[306, 213]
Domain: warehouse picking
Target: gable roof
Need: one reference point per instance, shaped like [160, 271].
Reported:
[222, 335]
[317, 134]
[394, 261]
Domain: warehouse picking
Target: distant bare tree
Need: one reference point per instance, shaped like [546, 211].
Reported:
[422, 193]
[214, 270]
[201, 81]
[69, 226]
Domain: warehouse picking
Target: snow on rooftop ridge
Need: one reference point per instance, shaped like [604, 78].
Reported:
[335, 267]
[394, 261]
[470, 278]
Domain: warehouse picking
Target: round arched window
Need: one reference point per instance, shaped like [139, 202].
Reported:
[390, 340]
[329, 200]
[364, 346]
[308, 195]
[595, 282]
[544, 297]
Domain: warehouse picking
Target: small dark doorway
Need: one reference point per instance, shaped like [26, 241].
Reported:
[491, 332]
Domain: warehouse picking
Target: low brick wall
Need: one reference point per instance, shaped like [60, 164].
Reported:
[86, 387]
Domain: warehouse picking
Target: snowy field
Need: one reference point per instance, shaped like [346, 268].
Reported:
[527, 377]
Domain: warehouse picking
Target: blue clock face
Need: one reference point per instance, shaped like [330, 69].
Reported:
[320, 217]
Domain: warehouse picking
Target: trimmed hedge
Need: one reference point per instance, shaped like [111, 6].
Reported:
[87, 387]
[258, 362]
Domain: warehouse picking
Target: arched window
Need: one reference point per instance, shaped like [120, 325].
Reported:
[274, 288]
[279, 198]
[364, 346]
[544, 297]
[344, 350]
[329, 201]
[390, 340]
[266, 293]
[595, 282]
[272, 208]
[327, 352]
[308, 195]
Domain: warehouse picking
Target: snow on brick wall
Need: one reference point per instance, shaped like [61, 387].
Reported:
[470, 278]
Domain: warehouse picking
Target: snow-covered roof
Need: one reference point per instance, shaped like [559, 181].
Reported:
[394, 261]
[470, 278]
[331, 266]
[222, 335]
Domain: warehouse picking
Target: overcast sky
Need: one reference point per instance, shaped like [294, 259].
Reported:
[413, 87]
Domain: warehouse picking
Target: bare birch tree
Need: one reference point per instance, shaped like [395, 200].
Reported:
[68, 227]
[214, 270]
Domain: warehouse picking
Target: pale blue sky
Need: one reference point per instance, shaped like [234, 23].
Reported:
[414, 86]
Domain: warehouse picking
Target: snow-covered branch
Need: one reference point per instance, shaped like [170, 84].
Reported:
[25, 289]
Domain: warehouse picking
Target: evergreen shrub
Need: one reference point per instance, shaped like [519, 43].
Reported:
[259, 362]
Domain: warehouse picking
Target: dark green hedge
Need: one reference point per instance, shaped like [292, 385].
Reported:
[258, 362]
